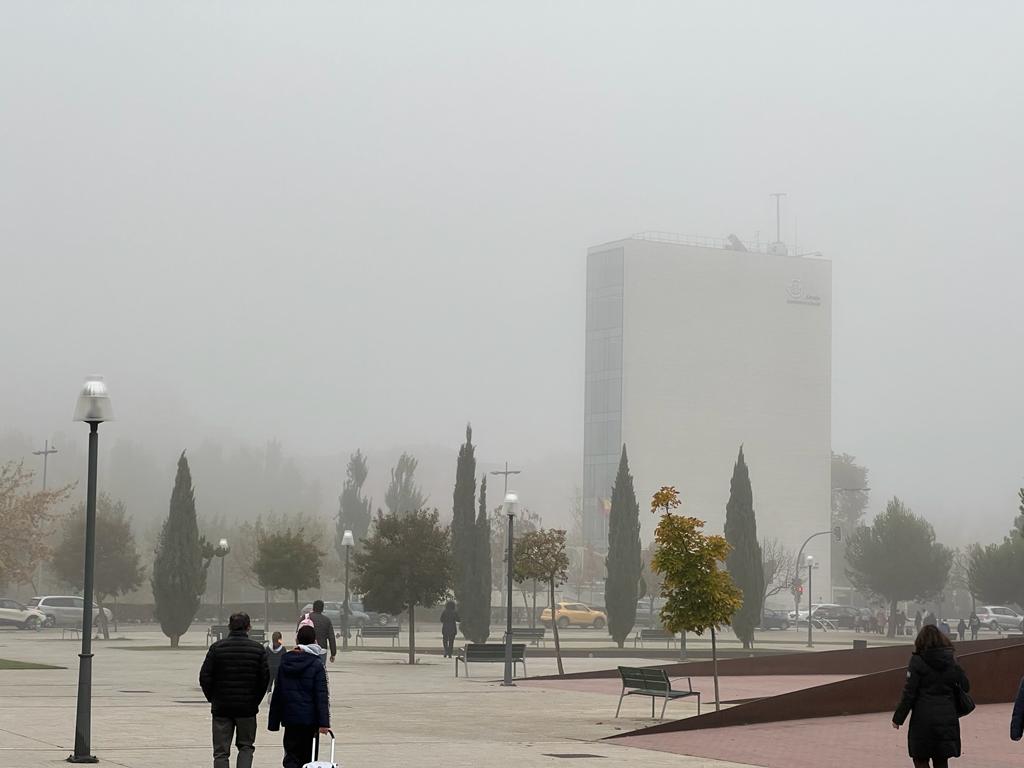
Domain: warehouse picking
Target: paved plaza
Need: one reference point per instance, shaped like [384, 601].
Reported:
[148, 711]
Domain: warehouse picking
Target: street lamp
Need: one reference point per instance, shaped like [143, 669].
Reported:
[221, 551]
[511, 502]
[810, 599]
[93, 407]
[347, 541]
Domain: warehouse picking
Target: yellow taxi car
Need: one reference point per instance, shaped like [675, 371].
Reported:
[574, 615]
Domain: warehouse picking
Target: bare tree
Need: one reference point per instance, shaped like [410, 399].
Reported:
[779, 566]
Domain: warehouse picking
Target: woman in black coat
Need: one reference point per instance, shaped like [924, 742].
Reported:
[449, 627]
[933, 678]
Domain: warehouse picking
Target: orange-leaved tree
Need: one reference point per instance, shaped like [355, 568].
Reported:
[698, 594]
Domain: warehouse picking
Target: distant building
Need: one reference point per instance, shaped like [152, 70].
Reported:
[694, 347]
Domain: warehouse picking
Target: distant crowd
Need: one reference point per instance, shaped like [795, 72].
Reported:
[880, 622]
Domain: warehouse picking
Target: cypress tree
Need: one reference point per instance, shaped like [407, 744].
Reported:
[476, 615]
[744, 560]
[179, 569]
[463, 529]
[623, 562]
[354, 509]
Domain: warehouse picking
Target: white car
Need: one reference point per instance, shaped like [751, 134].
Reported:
[65, 610]
[14, 614]
[999, 617]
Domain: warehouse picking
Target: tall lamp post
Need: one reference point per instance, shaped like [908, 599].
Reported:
[347, 541]
[511, 502]
[810, 599]
[221, 551]
[93, 407]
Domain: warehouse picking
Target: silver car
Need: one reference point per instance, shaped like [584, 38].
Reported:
[65, 610]
[14, 614]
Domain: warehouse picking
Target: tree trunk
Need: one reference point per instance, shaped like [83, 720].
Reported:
[266, 612]
[412, 634]
[115, 614]
[714, 663]
[554, 629]
[892, 619]
[174, 640]
[295, 599]
[102, 626]
[533, 616]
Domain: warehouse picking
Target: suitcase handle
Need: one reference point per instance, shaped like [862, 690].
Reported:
[316, 746]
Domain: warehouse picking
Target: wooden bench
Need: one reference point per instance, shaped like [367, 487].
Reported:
[646, 635]
[373, 631]
[490, 653]
[215, 633]
[653, 682]
[533, 635]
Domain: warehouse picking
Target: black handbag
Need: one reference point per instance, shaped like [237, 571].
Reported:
[962, 701]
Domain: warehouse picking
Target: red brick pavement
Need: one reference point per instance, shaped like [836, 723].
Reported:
[859, 741]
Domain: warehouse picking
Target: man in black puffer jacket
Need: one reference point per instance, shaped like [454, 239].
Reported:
[234, 679]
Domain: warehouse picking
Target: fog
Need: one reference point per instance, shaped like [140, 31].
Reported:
[342, 226]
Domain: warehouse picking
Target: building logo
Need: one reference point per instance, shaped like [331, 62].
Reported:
[797, 294]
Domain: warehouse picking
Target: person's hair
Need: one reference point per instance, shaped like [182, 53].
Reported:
[305, 636]
[931, 636]
[450, 604]
[239, 621]
[276, 636]
[318, 606]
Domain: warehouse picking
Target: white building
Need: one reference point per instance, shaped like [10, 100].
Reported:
[694, 348]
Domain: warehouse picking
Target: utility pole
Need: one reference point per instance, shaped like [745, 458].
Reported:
[778, 214]
[505, 473]
[45, 453]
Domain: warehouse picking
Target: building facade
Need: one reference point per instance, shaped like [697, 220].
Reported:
[693, 350]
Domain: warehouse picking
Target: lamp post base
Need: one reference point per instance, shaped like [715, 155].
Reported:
[82, 759]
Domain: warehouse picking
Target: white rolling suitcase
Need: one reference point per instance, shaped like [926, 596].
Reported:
[314, 763]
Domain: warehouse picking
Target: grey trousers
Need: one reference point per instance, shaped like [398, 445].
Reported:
[244, 731]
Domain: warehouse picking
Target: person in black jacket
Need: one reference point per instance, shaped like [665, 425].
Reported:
[1017, 719]
[301, 702]
[449, 627]
[234, 679]
[324, 629]
[933, 680]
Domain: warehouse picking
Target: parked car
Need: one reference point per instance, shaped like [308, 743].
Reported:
[772, 619]
[332, 610]
[65, 610]
[373, 617]
[574, 615]
[999, 617]
[14, 614]
[829, 615]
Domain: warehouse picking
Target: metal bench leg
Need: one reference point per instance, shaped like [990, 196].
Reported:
[663, 707]
[652, 707]
[619, 708]
[698, 704]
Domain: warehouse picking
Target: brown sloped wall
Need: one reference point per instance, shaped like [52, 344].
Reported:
[994, 674]
[844, 661]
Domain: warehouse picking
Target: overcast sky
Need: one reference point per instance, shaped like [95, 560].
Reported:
[361, 224]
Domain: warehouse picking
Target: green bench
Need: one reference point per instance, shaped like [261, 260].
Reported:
[490, 653]
[655, 635]
[653, 682]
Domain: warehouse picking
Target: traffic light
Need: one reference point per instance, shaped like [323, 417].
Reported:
[800, 589]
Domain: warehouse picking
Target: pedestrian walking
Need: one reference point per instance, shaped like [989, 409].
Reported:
[1017, 719]
[975, 624]
[274, 654]
[961, 629]
[234, 678]
[300, 701]
[449, 627]
[929, 619]
[935, 684]
[324, 630]
[918, 620]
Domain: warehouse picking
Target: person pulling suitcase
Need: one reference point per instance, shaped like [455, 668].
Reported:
[300, 701]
